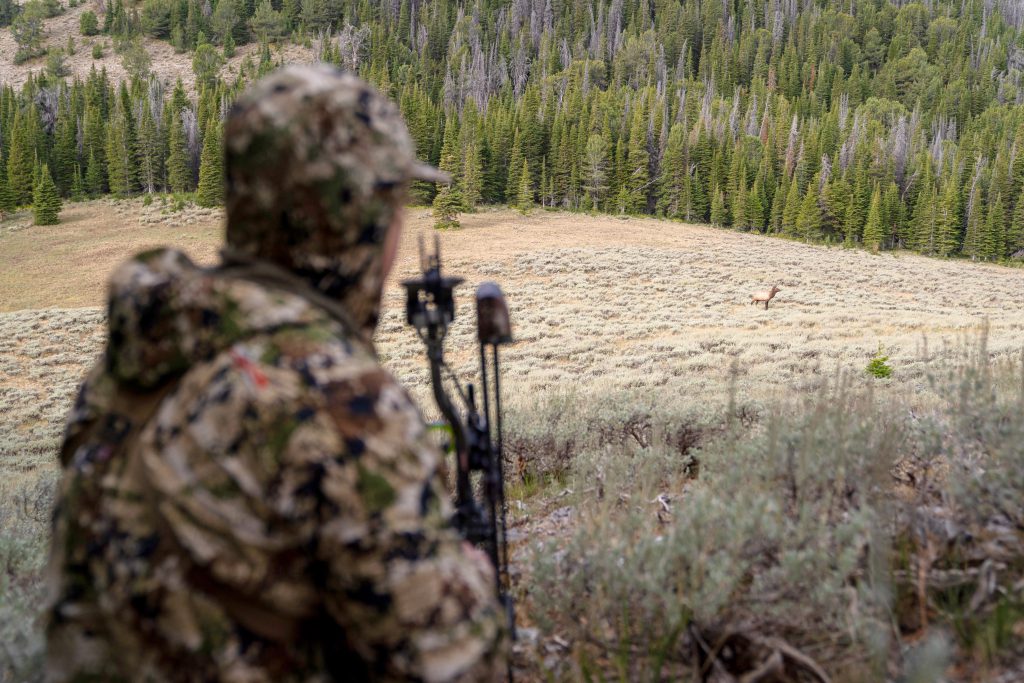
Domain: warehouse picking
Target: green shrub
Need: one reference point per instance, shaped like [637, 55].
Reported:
[97, 51]
[88, 24]
[56, 63]
[879, 366]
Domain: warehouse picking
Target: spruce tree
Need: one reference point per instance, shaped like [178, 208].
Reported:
[718, 209]
[524, 195]
[211, 168]
[179, 171]
[946, 218]
[20, 162]
[7, 203]
[1015, 236]
[472, 177]
[447, 205]
[995, 235]
[778, 206]
[792, 209]
[974, 239]
[637, 161]
[77, 185]
[46, 202]
[755, 207]
[117, 158]
[874, 231]
[739, 207]
[515, 168]
[808, 221]
[94, 180]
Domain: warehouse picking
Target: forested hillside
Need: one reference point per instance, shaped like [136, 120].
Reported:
[857, 121]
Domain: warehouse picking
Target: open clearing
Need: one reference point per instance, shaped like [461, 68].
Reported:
[602, 306]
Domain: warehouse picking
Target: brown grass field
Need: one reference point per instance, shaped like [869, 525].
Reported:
[613, 317]
[599, 304]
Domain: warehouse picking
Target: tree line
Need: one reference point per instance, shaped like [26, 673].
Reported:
[861, 121]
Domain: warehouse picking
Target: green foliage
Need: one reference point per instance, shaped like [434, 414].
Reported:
[46, 202]
[8, 10]
[27, 29]
[266, 23]
[736, 132]
[873, 229]
[56, 63]
[206, 62]
[7, 203]
[135, 59]
[447, 205]
[211, 167]
[524, 195]
[97, 50]
[879, 367]
[88, 24]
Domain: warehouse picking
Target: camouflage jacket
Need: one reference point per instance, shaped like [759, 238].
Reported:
[248, 496]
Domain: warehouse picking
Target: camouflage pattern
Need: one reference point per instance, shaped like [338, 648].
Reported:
[317, 164]
[248, 496]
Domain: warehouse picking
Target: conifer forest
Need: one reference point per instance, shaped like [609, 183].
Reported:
[865, 122]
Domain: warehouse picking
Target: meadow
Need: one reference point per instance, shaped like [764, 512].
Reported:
[700, 485]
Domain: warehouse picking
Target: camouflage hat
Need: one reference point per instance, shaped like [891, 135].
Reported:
[317, 164]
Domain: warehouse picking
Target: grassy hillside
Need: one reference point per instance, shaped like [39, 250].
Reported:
[167, 66]
[730, 474]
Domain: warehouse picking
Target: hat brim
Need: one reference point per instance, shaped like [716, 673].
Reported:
[429, 173]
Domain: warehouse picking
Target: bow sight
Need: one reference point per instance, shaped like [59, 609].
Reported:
[476, 434]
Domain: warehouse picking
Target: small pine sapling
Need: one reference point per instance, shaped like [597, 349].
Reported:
[879, 367]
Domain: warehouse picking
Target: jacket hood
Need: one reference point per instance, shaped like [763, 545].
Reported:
[166, 314]
[317, 165]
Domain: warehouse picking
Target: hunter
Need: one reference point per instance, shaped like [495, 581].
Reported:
[247, 495]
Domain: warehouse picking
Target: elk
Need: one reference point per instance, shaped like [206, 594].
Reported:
[765, 296]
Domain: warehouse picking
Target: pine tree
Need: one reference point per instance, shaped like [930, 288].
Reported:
[179, 171]
[515, 168]
[874, 231]
[947, 219]
[778, 207]
[1015, 236]
[673, 181]
[472, 177]
[974, 239]
[77, 185]
[524, 195]
[20, 162]
[792, 209]
[718, 209]
[739, 207]
[7, 204]
[755, 207]
[808, 221]
[638, 160]
[94, 181]
[117, 158]
[994, 246]
[211, 168]
[447, 205]
[46, 202]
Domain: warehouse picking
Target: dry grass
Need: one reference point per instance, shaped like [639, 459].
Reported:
[601, 306]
